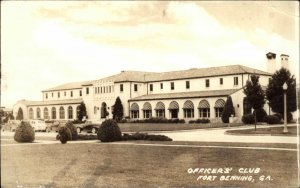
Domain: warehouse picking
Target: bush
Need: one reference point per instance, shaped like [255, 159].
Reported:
[24, 133]
[272, 119]
[109, 131]
[199, 121]
[278, 115]
[64, 134]
[155, 120]
[260, 114]
[289, 117]
[145, 136]
[228, 110]
[73, 130]
[248, 119]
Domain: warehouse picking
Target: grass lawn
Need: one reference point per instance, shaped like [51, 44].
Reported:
[275, 131]
[110, 165]
[140, 127]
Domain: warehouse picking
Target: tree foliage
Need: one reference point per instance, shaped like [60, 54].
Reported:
[20, 114]
[118, 110]
[228, 110]
[81, 111]
[275, 93]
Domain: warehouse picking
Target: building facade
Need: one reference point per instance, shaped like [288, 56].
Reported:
[187, 94]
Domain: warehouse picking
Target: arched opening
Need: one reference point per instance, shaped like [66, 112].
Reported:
[53, 113]
[204, 109]
[188, 109]
[219, 107]
[147, 110]
[61, 113]
[160, 109]
[134, 111]
[38, 113]
[46, 113]
[173, 109]
[104, 112]
[30, 113]
[70, 112]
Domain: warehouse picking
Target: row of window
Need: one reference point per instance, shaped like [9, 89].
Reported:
[87, 90]
[104, 89]
[187, 84]
[188, 109]
[53, 113]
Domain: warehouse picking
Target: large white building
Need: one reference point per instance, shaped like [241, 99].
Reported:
[187, 94]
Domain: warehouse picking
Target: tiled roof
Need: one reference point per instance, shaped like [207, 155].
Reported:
[194, 94]
[72, 85]
[203, 72]
[54, 102]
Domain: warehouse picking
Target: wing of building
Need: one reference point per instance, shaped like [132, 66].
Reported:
[186, 94]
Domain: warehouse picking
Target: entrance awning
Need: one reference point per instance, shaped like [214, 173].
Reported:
[219, 103]
[188, 105]
[173, 105]
[203, 104]
[134, 107]
[160, 106]
[147, 106]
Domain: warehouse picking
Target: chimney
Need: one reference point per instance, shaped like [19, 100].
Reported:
[284, 61]
[271, 62]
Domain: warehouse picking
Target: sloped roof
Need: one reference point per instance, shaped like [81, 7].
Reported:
[194, 94]
[72, 85]
[54, 102]
[204, 72]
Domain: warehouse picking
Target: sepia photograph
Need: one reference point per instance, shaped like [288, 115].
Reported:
[155, 94]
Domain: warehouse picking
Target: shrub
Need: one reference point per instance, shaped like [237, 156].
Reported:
[145, 136]
[289, 117]
[203, 120]
[272, 119]
[278, 115]
[260, 114]
[24, 133]
[109, 131]
[73, 130]
[228, 110]
[248, 119]
[64, 134]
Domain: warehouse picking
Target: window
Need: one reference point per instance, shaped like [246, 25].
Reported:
[147, 113]
[134, 111]
[187, 84]
[46, 95]
[58, 94]
[161, 86]
[151, 87]
[38, 113]
[65, 93]
[30, 113]
[70, 112]
[61, 113]
[95, 109]
[160, 113]
[188, 109]
[87, 90]
[135, 87]
[109, 89]
[52, 94]
[101, 90]
[204, 112]
[71, 93]
[46, 113]
[221, 81]
[80, 92]
[134, 114]
[121, 87]
[219, 112]
[236, 81]
[207, 83]
[95, 90]
[172, 86]
[53, 113]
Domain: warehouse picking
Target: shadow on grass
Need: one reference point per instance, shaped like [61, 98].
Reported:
[269, 131]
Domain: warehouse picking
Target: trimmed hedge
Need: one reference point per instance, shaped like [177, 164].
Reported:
[272, 119]
[248, 119]
[199, 121]
[153, 120]
[24, 133]
[64, 134]
[145, 136]
[73, 130]
[109, 131]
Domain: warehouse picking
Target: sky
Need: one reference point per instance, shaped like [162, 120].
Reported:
[46, 43]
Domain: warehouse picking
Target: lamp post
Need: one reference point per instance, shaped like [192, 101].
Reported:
[284, 87]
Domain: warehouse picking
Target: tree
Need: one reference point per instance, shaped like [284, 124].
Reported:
[228, 110]
[118, 110]
[275, 93]
[254, 94]
[81, 111]
[20, 114]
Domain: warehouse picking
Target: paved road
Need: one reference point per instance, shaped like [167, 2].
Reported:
[203, 135]
[218, 135]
